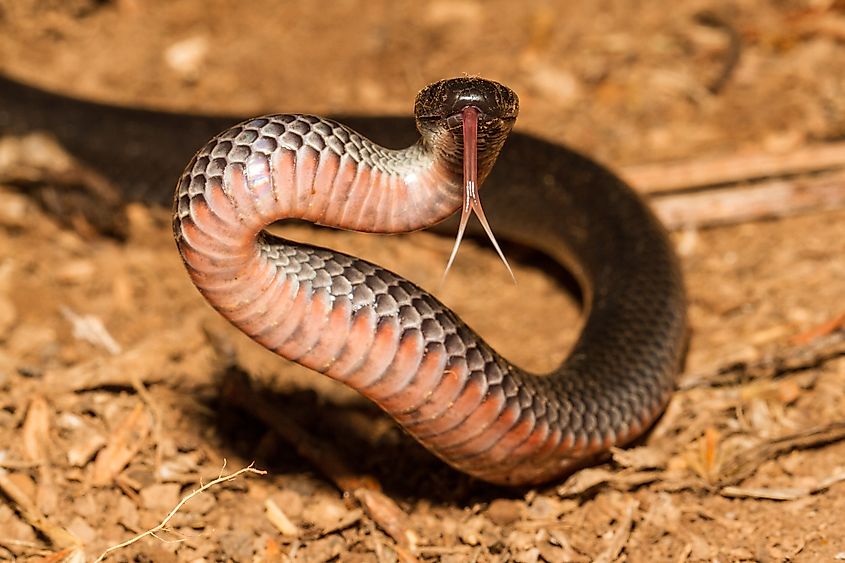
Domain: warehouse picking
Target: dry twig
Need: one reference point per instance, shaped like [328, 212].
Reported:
[674, 177]
[806, 355]
[745, 187]
[768, 199]
[58, 536]
[783, 493]
[620, 536]
[745, 464]
[163, 524]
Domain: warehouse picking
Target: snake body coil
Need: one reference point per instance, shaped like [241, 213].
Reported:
[392, 341]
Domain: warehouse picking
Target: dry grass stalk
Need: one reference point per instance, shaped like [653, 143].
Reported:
[163, 524]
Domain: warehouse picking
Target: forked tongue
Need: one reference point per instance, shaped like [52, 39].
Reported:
[469, 117]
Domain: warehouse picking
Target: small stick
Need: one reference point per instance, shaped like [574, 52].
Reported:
[620, 536]
[798, 357]
[58, 536]
[152, 531]
[819, 331]
[745, 464]
[715, 21]
[696, 173]
[768, 199]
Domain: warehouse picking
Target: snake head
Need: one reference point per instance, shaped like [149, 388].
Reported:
[446, 98]
[438, 110]
[466, 121]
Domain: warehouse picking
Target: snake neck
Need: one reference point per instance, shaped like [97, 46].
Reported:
[445, 141]
[304, 167]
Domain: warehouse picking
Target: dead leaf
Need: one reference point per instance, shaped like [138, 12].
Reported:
[36, 430]
[124, 442]
[389, 517]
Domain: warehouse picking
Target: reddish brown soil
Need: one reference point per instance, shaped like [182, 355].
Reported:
[625, 82]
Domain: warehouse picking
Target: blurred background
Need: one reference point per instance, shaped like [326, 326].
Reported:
[625, 81]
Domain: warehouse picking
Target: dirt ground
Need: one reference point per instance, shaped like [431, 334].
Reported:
[120, 389]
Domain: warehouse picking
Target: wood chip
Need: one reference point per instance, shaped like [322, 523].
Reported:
[504, 512]
[640, 458]
[279, 519]
[389, 517]
[123, 444]
[59, 537]
[85, 445]
[620, 536]
[36, 430]
[588, 479]
[91, 329]
[783, 493]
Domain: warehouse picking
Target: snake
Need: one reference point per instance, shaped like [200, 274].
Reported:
[394, 342]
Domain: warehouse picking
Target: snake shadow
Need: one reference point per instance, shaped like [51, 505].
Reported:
[142, 152]
[364, 443]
